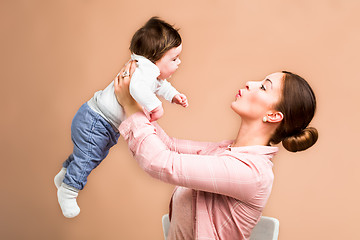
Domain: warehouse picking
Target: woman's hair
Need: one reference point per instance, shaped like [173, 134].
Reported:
[154, 39]
[298, 104]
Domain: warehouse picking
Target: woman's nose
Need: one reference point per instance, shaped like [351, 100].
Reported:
[250, 85]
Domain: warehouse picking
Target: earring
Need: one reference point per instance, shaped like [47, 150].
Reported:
[264, 119]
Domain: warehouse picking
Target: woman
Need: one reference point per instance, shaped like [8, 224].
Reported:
[223, 187]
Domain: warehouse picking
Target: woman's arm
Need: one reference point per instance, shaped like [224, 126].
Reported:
[222, 174]
[188, 146]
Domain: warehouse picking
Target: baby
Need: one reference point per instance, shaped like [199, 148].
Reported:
[156, 48]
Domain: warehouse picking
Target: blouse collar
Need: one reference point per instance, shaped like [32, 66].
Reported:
[257, 149]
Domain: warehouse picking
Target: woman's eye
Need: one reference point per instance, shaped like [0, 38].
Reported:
[263, 87]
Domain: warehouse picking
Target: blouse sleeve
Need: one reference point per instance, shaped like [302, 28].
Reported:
[188, 146]
[220, 174]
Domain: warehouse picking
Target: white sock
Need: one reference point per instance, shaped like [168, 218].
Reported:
[67, 199]
[58, 179]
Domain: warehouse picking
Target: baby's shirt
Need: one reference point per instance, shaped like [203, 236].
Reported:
[144, 86]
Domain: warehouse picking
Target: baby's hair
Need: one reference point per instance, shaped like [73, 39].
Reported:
[154, 39]
[298, 104]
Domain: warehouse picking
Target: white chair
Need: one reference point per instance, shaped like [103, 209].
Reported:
[166, 225]
[266, 229]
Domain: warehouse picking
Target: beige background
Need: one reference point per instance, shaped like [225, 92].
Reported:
[56, 54]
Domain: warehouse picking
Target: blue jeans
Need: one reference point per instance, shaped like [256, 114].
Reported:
[93, 137]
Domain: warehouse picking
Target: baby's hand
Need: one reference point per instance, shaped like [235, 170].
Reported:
[180, 99]
[156, 113]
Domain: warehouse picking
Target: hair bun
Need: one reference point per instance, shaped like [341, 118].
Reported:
[301, 141]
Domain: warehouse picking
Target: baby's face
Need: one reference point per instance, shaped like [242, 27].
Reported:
[169, 63]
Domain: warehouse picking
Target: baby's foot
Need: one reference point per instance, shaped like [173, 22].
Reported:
[58, 179]
[67, 199]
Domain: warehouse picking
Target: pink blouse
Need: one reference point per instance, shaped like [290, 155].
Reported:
[230, 185]
[182, 219]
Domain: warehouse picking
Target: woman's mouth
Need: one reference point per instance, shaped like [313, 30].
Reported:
[239, 93]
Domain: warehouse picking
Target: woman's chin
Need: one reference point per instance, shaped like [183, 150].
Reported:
[233, 107]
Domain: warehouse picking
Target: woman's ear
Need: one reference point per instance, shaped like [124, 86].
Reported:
[275, 117]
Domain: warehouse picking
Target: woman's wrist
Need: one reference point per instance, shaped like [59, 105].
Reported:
[130, 109]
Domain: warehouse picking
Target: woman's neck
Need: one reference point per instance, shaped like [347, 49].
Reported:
[253, 133]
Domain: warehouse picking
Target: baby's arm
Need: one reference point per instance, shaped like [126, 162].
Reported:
[167, 91]
[180, 99]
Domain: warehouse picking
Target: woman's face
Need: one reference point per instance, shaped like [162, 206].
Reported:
[259, 98]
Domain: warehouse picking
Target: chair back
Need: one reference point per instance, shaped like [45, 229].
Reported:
[166, 225]
[266, 229]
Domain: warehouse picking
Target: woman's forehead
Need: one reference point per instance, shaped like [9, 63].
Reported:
[276, 79]
[278, 76]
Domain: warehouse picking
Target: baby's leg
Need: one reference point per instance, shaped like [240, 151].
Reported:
[60, 177]
[93, 136]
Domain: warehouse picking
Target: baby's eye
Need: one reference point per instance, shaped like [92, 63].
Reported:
[263, 87]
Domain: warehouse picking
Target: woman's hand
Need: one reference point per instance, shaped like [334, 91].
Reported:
[121, 86]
